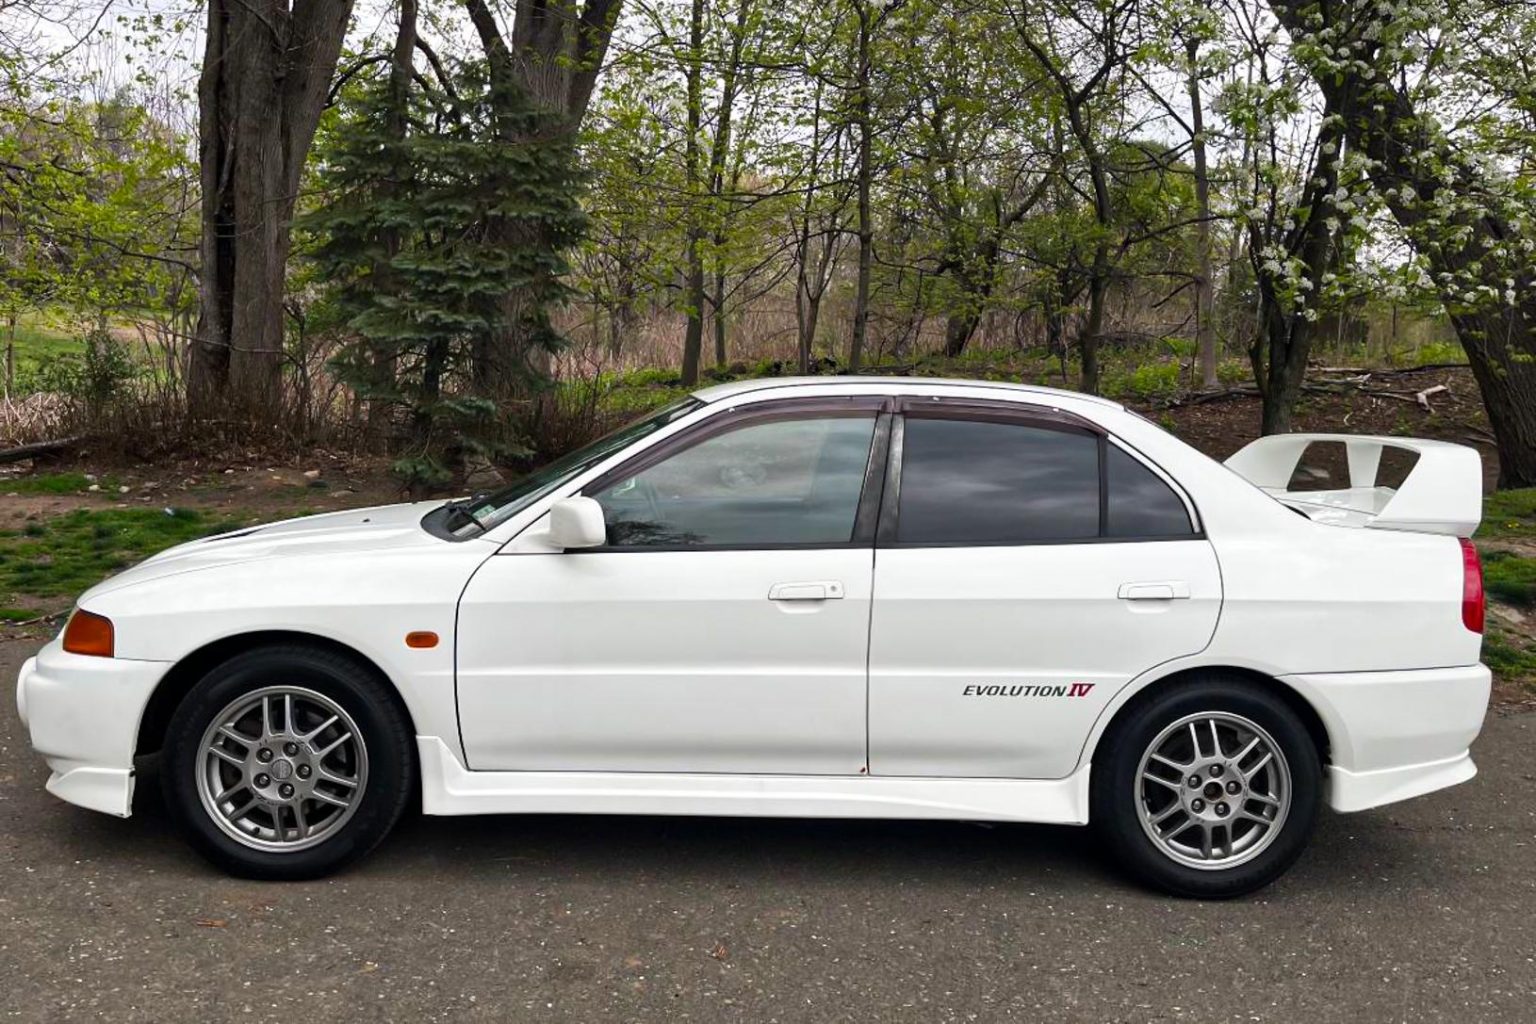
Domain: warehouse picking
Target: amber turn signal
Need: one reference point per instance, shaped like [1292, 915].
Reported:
[421, 639]
[88, 633]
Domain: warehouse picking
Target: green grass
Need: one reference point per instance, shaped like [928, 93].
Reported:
[1510, 657]
[1510, 577]
[38, 339]
[53, 483]
[1509, 514]
[64, 555]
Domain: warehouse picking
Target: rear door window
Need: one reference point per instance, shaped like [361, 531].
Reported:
[990, 482]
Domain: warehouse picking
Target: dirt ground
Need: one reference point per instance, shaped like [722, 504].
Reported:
[1379, 403]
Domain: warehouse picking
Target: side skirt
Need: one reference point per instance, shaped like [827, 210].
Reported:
[447, 787]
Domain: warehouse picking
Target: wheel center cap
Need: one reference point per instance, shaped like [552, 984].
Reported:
[282, 770]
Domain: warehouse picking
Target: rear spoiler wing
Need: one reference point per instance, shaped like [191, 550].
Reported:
[1443, 492]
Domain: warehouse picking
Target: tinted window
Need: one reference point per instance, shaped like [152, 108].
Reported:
[978, 482]
[1323, 466]
[789, 481]
[1140, 503]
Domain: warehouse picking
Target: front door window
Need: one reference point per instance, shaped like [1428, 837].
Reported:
[773, 483]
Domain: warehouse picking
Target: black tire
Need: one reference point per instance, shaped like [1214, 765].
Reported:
[1116, 794]
[382, 726]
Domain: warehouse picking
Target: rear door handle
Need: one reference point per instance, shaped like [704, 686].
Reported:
[812, 590]
[1165, 590]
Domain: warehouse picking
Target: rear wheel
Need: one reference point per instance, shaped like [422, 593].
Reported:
[1209, 789]
[287, 762]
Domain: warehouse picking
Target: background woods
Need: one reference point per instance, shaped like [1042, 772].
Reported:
[472, 233]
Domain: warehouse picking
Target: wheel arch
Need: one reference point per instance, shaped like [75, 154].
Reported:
[184, 674]
[1293, 698]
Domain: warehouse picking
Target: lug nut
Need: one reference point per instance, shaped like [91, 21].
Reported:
[290, 749]
[1197, 806]
[263, 779]
[286, 790]
[304, 772]
[1216, 770]
[1195, 781]
[1233, 787]
[263, 755]
[1222, 810]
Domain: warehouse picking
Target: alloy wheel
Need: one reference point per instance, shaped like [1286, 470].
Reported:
[281, 768]
[1213, 790]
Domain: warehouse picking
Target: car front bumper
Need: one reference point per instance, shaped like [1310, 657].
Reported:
[83, 716]
[1397, 735]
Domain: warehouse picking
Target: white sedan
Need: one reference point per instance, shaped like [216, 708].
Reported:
[840, 597]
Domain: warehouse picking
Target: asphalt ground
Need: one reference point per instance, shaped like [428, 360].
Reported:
[1425, 911]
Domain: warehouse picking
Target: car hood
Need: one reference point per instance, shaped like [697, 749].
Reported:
[365, 529]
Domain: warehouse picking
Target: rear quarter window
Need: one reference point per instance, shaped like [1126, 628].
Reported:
[1140, 503]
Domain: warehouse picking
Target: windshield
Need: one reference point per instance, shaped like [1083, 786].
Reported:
[489, 510]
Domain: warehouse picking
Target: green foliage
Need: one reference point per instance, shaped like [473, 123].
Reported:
[1145, 381]
[442, 243]
[70, 553]
[95, 373]
[97, 209]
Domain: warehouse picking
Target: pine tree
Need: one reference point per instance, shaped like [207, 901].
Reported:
[411, 240]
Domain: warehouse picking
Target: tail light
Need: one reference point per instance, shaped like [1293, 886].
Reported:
[89, 633]
[1474, 602]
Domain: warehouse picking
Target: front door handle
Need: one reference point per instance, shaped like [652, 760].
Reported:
[813, 590]
[1164, 590]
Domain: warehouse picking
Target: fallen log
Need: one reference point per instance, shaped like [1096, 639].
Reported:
[36, 448]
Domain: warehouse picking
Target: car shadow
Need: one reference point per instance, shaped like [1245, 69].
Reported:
[805, 853]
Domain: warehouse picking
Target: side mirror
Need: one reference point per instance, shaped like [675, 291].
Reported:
[577, 523]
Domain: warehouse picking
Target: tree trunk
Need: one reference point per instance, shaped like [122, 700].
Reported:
[693, 337]
[266, 72]
[1282, 368]
[1499, 348]
[1093, 324]
[552, 58]
[958, 328]
[1206, 341]
[397, 120]
[863, 112]
[717, 317]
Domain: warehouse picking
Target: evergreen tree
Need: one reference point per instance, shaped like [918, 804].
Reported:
[413, 244]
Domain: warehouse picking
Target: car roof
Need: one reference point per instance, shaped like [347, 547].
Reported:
[893, 385]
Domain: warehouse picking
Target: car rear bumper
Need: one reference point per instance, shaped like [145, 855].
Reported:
[83, 714]
[1397, 735]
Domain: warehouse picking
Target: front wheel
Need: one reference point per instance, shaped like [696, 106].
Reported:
[1209, 789]
[286, 763]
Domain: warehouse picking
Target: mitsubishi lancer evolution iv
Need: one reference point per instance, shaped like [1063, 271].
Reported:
[839, 597]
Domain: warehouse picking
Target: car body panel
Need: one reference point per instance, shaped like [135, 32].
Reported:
[665, 661]
[983, 659]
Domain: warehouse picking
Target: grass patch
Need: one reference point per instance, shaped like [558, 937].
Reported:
[67, 554]
[39, 338]
[1509, 514]
[18, 614]
[1512, 658]
[53, 483]
[1510, 577]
